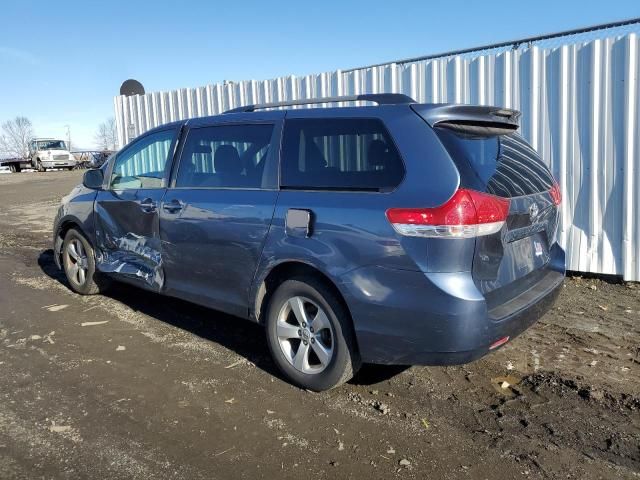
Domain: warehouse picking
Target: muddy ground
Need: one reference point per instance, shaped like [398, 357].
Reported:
[166, 389]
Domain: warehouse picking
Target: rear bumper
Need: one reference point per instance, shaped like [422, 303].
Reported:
[414, 318]
[509, 327]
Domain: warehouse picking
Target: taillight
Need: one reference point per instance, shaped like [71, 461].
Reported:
[467, 214]
[556, 194]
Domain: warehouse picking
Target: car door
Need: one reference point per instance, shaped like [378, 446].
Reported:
[217, 212]
[126, 210]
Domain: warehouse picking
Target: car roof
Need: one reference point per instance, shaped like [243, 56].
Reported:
[281, 112]
[277, 110]
[271, 115]
[433, 113]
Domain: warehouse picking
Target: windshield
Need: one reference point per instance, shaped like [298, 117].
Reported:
[52, 145]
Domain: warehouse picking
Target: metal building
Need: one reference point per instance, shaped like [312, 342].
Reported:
[579, 103]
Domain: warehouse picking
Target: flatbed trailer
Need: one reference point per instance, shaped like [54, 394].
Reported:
[15, 164]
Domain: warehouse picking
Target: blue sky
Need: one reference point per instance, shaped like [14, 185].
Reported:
[62, 62]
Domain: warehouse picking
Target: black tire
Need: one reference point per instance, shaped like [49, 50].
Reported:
[345, 359]
[39, 167]
[91, 282]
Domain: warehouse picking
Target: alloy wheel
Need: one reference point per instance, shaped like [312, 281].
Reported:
[305, 335]
[78, 263]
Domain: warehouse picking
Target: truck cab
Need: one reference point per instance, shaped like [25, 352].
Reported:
[47, 153]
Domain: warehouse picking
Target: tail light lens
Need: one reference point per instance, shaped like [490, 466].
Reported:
[467, 214]
[556, 194]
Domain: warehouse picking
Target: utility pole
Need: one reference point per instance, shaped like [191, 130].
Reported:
[68, 136]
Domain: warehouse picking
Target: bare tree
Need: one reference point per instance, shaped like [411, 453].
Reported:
[106, 136]
[15, 137]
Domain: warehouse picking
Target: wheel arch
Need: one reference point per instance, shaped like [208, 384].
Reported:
[285, 270]
[64, 225]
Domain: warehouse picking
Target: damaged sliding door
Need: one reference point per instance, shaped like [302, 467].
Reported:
[127, 225]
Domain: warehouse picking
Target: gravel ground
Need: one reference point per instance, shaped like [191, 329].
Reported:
[160, 388]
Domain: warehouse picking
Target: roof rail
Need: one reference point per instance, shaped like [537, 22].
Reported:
[379, 98]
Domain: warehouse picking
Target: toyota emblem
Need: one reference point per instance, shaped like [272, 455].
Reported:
[533, 211]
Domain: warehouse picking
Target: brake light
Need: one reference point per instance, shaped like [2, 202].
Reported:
[556, 194]
[467, 214]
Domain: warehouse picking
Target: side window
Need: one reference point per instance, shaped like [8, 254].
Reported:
[143, 164]
[339, 154]
[225, 156]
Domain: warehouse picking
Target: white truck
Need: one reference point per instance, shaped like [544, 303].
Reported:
[47, 153]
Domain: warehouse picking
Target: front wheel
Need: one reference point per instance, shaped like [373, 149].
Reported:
[310, 335]
[39, 167]
[79, 265]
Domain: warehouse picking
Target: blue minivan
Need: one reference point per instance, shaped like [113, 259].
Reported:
[394, 233]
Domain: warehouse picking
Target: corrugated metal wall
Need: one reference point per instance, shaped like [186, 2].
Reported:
[579, 106]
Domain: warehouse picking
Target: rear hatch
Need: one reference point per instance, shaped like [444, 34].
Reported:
[493, 159]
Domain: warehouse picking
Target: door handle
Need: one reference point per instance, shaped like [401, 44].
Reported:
[173, 206]
[148, 205]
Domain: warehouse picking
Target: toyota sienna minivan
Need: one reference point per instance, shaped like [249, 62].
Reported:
[394, 233]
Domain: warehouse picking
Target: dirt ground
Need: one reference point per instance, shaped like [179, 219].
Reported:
[165, 389]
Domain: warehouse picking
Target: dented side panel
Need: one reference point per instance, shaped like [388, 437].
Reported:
[127, 236]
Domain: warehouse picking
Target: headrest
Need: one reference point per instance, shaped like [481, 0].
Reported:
[378, 153]
[314, 160]
[201, 149]
[227, 160]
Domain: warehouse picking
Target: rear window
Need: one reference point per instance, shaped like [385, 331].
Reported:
[339, 154]
[502, 165]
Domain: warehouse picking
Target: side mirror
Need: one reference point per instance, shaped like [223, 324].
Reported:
[93, 179]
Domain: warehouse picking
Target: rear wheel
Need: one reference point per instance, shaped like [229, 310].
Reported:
[310, 335]
[79, 265]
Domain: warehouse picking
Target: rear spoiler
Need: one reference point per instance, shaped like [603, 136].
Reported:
[471, 119]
